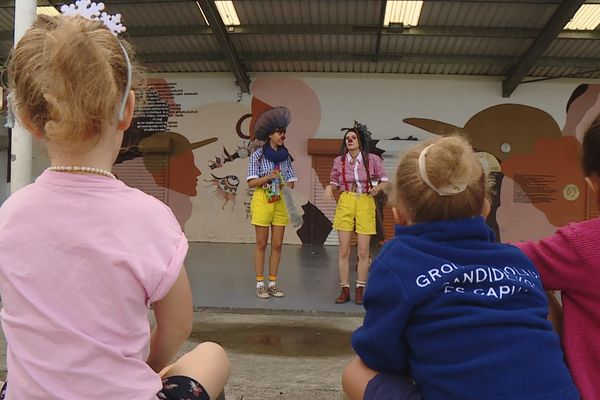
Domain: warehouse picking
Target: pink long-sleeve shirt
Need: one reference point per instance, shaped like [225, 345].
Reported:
[569, 261]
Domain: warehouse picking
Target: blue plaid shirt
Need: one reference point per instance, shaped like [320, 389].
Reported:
[259, 166]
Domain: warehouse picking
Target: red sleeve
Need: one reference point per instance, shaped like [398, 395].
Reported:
[556, 258]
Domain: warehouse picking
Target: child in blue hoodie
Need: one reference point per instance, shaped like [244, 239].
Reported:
[450, 313]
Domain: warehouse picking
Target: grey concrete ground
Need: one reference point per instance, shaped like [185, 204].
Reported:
[222, 275]
[282, 356]
[291, 356]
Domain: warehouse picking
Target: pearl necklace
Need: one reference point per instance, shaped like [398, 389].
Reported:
[89, 170]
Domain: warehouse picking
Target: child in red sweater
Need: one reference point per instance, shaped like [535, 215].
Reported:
[569, 261]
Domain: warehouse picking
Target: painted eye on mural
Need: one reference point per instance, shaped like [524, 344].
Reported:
[225, 188]
[233, 180]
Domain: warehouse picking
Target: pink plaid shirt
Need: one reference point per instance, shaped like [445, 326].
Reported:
[356, 174]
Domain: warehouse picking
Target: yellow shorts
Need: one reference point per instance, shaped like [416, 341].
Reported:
[355, 210]
[265, 213]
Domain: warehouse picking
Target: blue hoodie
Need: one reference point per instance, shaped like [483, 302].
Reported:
[464, 316]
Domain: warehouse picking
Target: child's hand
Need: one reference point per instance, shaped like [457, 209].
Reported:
[274, 175]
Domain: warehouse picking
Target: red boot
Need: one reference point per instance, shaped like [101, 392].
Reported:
[344, 295]
[358, 294]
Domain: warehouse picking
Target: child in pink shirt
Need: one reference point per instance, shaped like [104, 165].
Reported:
[83, 255]
[569, 261]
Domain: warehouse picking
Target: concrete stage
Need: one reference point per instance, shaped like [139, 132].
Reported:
[222, 276]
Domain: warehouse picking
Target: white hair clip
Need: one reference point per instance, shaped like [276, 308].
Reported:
[449, 190]
[92, 10]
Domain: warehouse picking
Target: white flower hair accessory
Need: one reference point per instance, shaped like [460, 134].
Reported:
[94, 11]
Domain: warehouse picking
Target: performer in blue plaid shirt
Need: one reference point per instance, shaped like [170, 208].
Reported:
[269, 170]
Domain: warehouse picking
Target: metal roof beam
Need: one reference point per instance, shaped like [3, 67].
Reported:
[550, 32]
[584, 63]
[382, 8]
[309, 29]
[341, 57]
[299, 29]
[218, 27]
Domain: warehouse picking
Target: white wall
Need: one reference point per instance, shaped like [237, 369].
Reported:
[383, 100]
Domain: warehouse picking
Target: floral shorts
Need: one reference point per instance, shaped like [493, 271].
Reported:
[174, 388]
[182, 388]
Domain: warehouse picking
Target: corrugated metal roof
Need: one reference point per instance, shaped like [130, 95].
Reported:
[352, 12]
[175, 45]
[305, 43]
[213, 66]
[454, 37]
[158, 14]
[486, 14]
[574, 48]
[454, 45]
[7, 18]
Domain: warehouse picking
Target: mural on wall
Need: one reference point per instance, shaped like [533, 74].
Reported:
[173, 139]
[534, 165]
[225, 188]
[192, 153]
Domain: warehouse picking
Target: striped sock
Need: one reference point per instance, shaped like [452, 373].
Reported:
[260, 281]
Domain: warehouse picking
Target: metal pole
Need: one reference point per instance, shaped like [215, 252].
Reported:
[22, 141]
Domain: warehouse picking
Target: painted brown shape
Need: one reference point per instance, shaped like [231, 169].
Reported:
[518, 125]
[556, 161]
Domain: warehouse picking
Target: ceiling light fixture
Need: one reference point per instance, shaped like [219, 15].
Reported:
[47, 10]
[586, 18]
[226, 11]
[402, 12]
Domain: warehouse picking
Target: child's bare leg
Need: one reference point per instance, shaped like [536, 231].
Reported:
[207, 363]
[356, 378]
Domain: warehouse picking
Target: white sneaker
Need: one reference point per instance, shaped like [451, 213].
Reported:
[262, 292]
[274, 291]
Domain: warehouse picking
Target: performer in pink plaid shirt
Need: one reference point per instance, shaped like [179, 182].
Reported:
[359, 175]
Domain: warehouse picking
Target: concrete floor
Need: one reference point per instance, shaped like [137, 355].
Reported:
[281, 356]
[293, 348]
[222, 276]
